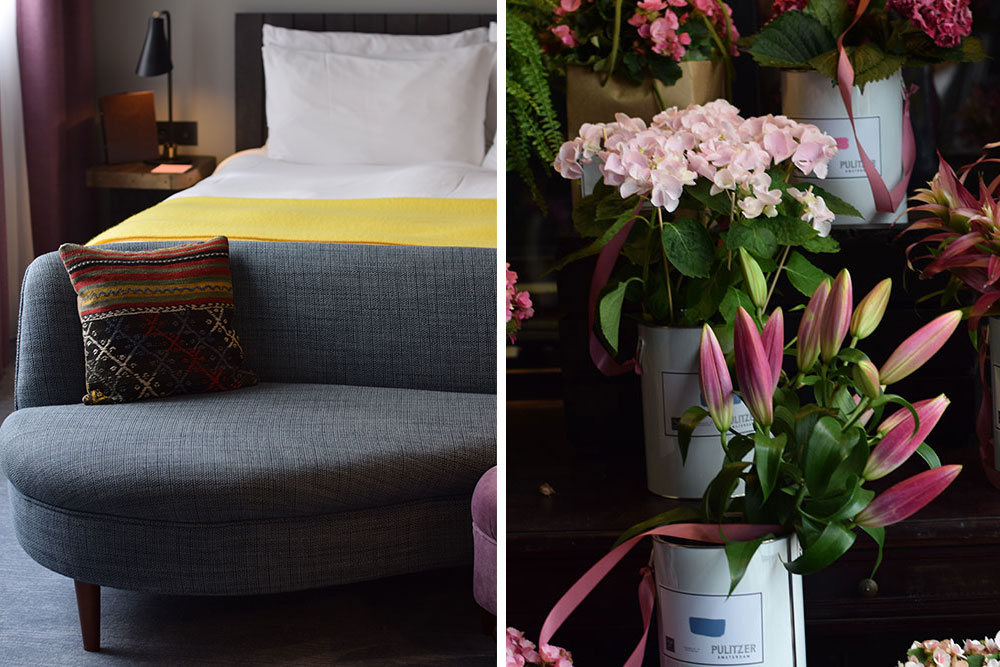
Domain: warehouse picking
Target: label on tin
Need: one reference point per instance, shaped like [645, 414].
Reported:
[847, 162]
[683, 390]
[699, 629]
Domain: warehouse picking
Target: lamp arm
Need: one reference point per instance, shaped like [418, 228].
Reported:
[171, 146]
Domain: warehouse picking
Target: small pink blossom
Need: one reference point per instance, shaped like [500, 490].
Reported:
[569, 5]
[652, 5]
[519, 308]
[565, 35]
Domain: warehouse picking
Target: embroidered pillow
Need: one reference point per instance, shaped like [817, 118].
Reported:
[157, 322]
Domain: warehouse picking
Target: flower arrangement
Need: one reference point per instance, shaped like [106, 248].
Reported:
[518, 305]
[965, 238]
[646, 38]
[948, 653]
[521, 652]
[812, 458]
[889, 35]
[706, 189]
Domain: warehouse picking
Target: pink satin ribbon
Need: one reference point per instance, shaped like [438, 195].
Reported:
[605, 265]
[700, 532]
[885, 201]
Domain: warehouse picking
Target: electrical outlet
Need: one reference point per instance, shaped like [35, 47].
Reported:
[185, 132]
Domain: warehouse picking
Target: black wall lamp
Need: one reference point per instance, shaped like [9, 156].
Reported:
[155, 60]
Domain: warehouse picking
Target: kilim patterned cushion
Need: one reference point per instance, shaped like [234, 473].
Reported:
[157, 322]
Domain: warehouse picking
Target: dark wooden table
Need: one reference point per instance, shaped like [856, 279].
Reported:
[940, 577]
[130, 187]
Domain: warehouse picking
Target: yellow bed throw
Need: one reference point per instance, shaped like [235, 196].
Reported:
[403, 221]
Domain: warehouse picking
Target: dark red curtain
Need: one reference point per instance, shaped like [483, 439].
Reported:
[55, 46]
[4, 295]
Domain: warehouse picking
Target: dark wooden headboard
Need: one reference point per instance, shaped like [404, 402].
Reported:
[251, 124]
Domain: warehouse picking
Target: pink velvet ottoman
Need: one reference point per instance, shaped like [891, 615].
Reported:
[484, 539]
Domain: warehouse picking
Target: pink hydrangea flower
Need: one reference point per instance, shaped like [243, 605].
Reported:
[710, 141]
[553, 656]
[565, 35]
[944, 21]
[519, 308]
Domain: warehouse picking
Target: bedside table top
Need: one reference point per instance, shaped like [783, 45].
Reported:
[138, 175]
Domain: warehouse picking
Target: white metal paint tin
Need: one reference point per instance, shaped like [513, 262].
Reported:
[811, 97]
[670, 385]
[761, 624]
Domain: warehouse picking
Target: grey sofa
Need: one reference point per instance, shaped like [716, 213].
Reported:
[355, 458]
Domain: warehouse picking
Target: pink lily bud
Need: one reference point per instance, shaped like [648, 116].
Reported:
[753, 279]
[807, 351]
[836, 316]
[866, 376]
[773, 339]
[900, 442]
[914, 352]
[908, 497]
[869, 312]
[753, 370]
[716, 385]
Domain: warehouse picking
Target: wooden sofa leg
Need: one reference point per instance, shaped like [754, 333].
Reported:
[88, 603]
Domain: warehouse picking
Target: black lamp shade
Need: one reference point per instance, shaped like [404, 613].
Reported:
[155, 57]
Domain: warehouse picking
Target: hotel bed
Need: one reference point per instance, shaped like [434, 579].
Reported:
[346, 188]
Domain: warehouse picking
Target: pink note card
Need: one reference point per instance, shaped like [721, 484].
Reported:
[170, 168]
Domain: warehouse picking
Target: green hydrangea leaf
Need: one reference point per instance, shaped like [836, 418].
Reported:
[791, 40]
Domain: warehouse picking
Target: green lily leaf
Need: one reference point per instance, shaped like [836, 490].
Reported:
[929, 456]
[720, 490]
[676, 515]
[832, 543]
[824, 452]
[689, 421]
[852, 355]
[877, 534]
[739, 446]
[856, 450]
[767, 458]
[844, 506]
[739, 555]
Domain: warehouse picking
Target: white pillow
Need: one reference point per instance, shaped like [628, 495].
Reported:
[369, 44]
[396, 46]
[330, 108]
[491, 95]
[490, 161]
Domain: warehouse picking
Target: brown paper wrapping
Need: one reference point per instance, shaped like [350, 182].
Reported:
[587, 101]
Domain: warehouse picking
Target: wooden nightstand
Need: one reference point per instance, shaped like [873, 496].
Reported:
[132, 187]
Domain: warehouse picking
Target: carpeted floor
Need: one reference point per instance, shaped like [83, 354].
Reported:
[426, 619]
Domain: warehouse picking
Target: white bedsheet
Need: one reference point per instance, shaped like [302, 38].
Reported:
[251, 173]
